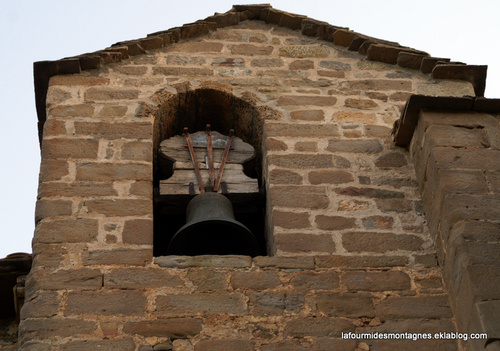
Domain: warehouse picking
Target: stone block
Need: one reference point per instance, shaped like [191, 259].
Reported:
[107, 303]
[301, 161]
[120, 207]
[374, 193]
[363, 261]
[284, 262]
[115, 130]
[335, 304]
[83, 278]
[113, 171]
[485, 319]
[287, 345]
[301, 65]
[126, 344]
[250, 50]
[118, 256]
[291, 220]
[273, 144]
[283, 176]
[109, 111]
[259, 280]
[304, 243]
[378, 222]
[333, 344]
[275, 303]
[110, 94]
[76, 80]
[200, 303]
[69, 148]
[77, 189]
[140, 278]
[378, 85]
[302, 131]
[368, 146]
[391, 160]
[330, 177]
[52, 170]
[394, 205]
[267, 62]
[380, 242]
[224, 345]
[306, 281]
[172, 328]
[306, 146]
[232, 261]
[458, 137]
[138, 231]
[208, 279]
[46, 209]
[308, 115]
[313, 197]
[334, 222]
[67, 231]
[362, 104]
[418, 307]
[307, 100]
[376, 281]
[183, 71]
[304, 51]
[318, 327]
[197, 47]
[38, 328]
[42, 304]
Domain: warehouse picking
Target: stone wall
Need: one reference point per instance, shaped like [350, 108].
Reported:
[456, 157]
[349, 249]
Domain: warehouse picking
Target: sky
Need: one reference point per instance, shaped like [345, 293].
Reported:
[33, 30]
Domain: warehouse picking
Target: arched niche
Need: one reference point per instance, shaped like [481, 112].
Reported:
[194, 108]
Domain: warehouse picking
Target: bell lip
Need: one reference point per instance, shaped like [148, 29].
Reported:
[255, 249]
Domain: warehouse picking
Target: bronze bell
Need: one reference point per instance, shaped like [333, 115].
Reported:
[211, 229]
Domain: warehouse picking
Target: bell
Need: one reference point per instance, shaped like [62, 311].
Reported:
[211, 229]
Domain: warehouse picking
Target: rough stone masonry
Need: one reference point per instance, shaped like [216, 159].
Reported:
[348, 245]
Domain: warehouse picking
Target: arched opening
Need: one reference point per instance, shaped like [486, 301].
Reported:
[194, 109]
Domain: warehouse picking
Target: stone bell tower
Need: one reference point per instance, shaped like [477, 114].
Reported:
[363, 228]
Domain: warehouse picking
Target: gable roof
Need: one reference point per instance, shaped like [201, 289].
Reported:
[373, 48]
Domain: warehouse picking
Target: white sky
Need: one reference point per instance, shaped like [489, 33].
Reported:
[34, 30]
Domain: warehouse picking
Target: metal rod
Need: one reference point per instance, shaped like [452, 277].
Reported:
[195, 162]
[210, 153]
[224, 157]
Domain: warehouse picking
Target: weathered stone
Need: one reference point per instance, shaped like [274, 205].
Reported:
[224, 345]
[283, 130]
[361, 261]
[126, 344]
[52, 170]
[334, 222]
[138, 231]
[409, 307]
[380, 242]
[56, 327]
[68, 230]
[315, 281]
[267, 62]
[316, 327]
[284, 346]
[301, 161]
[302, 51]
[304, 243]
[306, 146]
[77, 189]
[232, 261]
[173, 328]
[283, 176]
[77, 80]
[304, 100]
[308, 115]
[132, 257]
[335, 304]
[251, 50]
[140, 278]
[378, 222]
[116, 302]
[330, 177]
[254, 280]
[291, 220]
[106, 130]
[45, 209]
[284, 262]
[303, 197]
[394, 205]
[275, 303]
[362, 104]
[120, 207]
[183, 71]
[69, 148]
[333, 344]
[391, 160]
[204, 303]
[108, 94]
[368, 146]
[370, 192]
[113, 171]
[376, 281]
[113, 111]
[379, 84]
[196, 47]
[301, 65]
[43, 304]
[83, 278]
[206, 279]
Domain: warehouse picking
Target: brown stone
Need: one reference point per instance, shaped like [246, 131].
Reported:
[53, 127]
[79, 189]
[255, 280]
[287, 345]
[77, 80]
[394, 205]
[131, 70]
[335, 304]
[447, 135]
[291, 220]
[113, 171]
[331, 74]
[173, 328]
[301, 161]
[125, 344]
[113, 111]
[362, 104]
[380, 242]
[378, 222]
[315, 281]
[361, 261]
[52, 208]
[138, 231]
[132, 257]
[346, 116]
[200, 303]
[301, 65]
[306, 146]
[142, 188]
[196, 47]
[334, 222]
[275, 303]
[304, 243]
[293, 262]
[183, 71]
[120, 207]
[306, 130]
[379, 84]
[377, 131]
[140, 278]
[391, 160]
[55, 327]
[266, 62]
[316, 327]
[250, 50]
[43, 304]
[330, 177]
[115, 130]
[370, 192]
[304, 100]
[117, 302]
[308, 115]
[275, 145]
[333, 344]
[52, 170]
[83, 278]
[283, 176]
[69, 148]
[67, 231]
[368, 146]
[376, 281]
[224, 345]
[409, 307]
[299, 196]
[303, 51]
[111, 94]
[207, 279]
